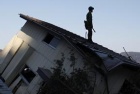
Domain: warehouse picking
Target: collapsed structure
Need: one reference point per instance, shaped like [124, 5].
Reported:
[28, 58]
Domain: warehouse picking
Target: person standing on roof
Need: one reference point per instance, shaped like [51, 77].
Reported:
[89, 23]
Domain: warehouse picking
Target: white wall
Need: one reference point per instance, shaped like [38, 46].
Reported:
[9, 51]
[42, 55]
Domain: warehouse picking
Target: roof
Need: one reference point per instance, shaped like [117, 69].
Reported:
[101, 51]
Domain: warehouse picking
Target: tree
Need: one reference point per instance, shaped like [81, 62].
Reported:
[75, 83]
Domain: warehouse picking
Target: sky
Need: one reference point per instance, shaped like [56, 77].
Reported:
[116, 22]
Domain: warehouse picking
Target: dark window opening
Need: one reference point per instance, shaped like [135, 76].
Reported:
[27, 74]
[48, 38]
[51, 40]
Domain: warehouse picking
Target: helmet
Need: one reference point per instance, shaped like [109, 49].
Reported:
[91, 8]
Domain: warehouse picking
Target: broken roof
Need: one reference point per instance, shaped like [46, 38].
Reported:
[101, 51]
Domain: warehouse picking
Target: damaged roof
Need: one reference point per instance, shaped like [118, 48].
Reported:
[103, 52]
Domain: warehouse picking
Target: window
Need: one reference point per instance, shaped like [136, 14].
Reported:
[27, 74]
[50, 39]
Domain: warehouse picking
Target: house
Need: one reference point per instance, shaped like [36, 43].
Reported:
[29, 57]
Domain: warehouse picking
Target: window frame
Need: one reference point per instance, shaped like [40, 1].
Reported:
[24, 77]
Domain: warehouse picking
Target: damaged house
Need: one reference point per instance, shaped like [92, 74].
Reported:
[30, 57]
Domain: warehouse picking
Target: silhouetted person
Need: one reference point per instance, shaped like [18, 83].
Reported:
[89, 23]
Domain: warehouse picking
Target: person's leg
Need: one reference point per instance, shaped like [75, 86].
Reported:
[89, 34]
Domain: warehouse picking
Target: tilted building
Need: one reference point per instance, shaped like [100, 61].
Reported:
[38, 44]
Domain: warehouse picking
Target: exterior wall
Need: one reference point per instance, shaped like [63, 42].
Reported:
[33, 35]
[9, 52]
[35, 31]
[113, 82]
[116, 79]
[17, 62]
[28, 48]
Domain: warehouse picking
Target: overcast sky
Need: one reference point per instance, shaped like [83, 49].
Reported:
[117, 22]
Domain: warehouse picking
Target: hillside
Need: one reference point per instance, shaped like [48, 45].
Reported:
[134, 55]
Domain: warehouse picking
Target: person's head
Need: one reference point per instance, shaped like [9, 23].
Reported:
[91, 8]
